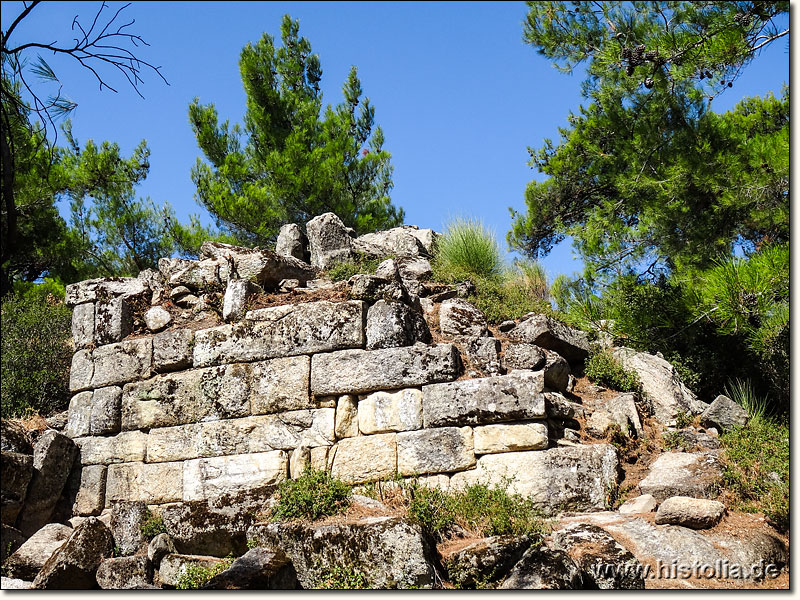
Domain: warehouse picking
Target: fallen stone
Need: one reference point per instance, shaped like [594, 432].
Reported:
[371, 288]
[388, 270]
[683, 474]
[175, 566]
[172, 350]
[641, 504]
[159, 547]
[690, 512]
[558, 407]
[291, 242]
[14, 437]
[387, 551]
[484, 354]
[438, 450]
[157, 318]
[544, 568]
[257, 569]
[384, 412]
[237, 296]
[91, 496]
[482, 401]
[365, 458]
[106, 288]
[17, 473]
[329, 240]
[724, 414]
[623, 411]
[485, 561]
[394, 324]
[510, 437]
[457, 317]
[556, 372]
[74, 565]
[414, 270]
[83, 325]
[523, 356]
[363, 371]
[10, 583]
[124, 573]
[407, 240]
[31, 556]
[127, 519]
[548, 333]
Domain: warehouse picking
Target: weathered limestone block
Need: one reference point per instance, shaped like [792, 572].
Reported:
[641, 504]
[162, 544]
[172, 350]
[510, 437]
[484, 354]
[724, 414]
[683, 474]
[106, 411]
[486, 400]
[439, 450]
[113, 320]
[371, 288]
[393, 324]
[485, 561]
[187, 397]
[363, 371]
[14, 437]
[558, 407]
[149, 483]
[556, 371]
[280, 385]
[209, 477]
[690, 512]
[543, 567]
[458, 317]
[388, 270]
[263, 267]
[406, 240]
[624, 412]
[83, 325]
[413, 269]
[53, 455]
[365, 458]
[291, 241]
[347, 420]
[128, 446]
[81, 371]
[193, 274]
[17, 473]
[91, 497]
[284, 331]
[257, 569]
[174, 566]
[549, 333]
[574, 478]
[383, 412]
[122, 362]
[79, 421]
[30, 557]
[106, 288]
[523, 356]
[124, 573]
[127, 518]
[329, 240]
[237, 295]
[157, 318]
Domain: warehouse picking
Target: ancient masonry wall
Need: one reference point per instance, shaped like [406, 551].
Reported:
[189, 414]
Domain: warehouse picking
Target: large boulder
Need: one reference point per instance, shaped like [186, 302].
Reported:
[257, 569]
[75, 564]
[388, 552]
[544, 568]
[457, 317]
[394, 324]
[14, 437]
[329, 240]
[17, 473]
[696, 513]
[125, 573]
[408, 240]
[548, 333]
[683, 474]
[485, 561]
[30, 557]
[291, 242]
[724, 414]
[107, 288]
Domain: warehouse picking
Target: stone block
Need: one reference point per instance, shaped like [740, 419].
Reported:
[329, 240]
[91, 497]
[105, 288]
[457, 317]
[128, 446]
[237, 295]
[157, 318]
[439, 450]
[174, 566]
[106, 411]
[125, 573]
[74, 565]
[523, 356]
[724, 414]
[31, 556]
[149, 483]
[127, 518]
[683, 474]
[363, 371]
[280, 331]
[383, 412]
[17, 473]
[208, 477]
[517, 396]
[546, 332]
[122, 362]
[113, 320]
[695, 513]
[510, 437]
[280, 385]
[291, 241]
[79, 420]
[81, 371]
[483, 353]
[641, 504]
[347, 423]
[393, 324]
[172, 350]
[365, 458]
[83, 325]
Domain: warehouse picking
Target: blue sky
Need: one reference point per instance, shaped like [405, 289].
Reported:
[458, 94]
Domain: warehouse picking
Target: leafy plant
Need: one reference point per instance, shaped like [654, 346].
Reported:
[195, 576]
[466, 249]
[343, 578]
[346, 269]
[313, 495]
[152, 526]
[604, 369]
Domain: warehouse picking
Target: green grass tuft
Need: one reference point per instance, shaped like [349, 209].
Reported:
[604, 369]
[466, 249]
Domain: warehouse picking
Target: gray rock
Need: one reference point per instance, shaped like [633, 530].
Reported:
[364, 458]
[17, 474]
[10, 583]
[724, 414]
[414, 270]
[14, 437]
[113, 320]
[31, 556]
[172, 350]
[661, 384]
[75, 564]
[683, 474]
[485, 561]
[209, 477]
[363, 371]
[58, 421]
[523, 356]
[438, 450]
[347, 418]
[383, 412]
[389, 552]
[53, 455]
[558, 407]
[483, 401]
[506, 326]
[624, 412]
[641, 504]
[127, 519]
[91, 496]
[407, 240]
[159, 547]
[291, 242]
[544, 568]
[237, 296]
[388, 270]
[457, 317]
[548, 333]
[603, 562]
[175, 566]
[128, 446]
[280, 331]
[157, 318]
[10, 541]
[106, 411]
[371, 289]
[113, 364]
[556, 372]
[125, 573]
[394, 324]
[257, 569]
[484, 354]
[329, 241]
[690, 512]
[83, 325]
[79, 419]
[106, 288]
[80, 373]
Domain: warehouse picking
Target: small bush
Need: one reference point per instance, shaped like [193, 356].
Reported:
[345, 270]
[343, 578]
[604, 369]
[315, 494]
[152, 526]
[36, 354]
[505, 298]
[466, 249]
[196, 576]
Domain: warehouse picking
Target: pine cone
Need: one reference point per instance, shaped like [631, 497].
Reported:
[626, 53]
[648, 83]
[651, 55]
[629, 70]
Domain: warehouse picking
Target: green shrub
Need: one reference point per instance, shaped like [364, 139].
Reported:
[313, 495]
[152, 526]
[604, 369]
[346, 269]
[36, 354]
[343, 578]
[430, 508]
[466, 249]
[196, 576]
[505, 298]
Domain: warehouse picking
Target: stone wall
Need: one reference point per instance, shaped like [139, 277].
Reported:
[185, 407]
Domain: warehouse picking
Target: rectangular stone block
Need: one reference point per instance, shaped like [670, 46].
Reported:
[83, 325]
[284, 331]
[122, 362]
[383, 412]
[211, 477]
[79, 415]
[365, 458]
[81, 371]
[510, 437]
[346, 425]
[149, 483]
[128, 446]
[281, 384]
[91, 496]
[103, 288]
[187, 397]
[106, 410]
[363, 371]
[487, 400]
[440, 450]
[172, 350]
[113, 320]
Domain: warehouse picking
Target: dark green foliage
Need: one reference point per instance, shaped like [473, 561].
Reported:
[346, 269]
[292, 160]
[604, 369]
[152, 526]
[36, 354]
[313, 495]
